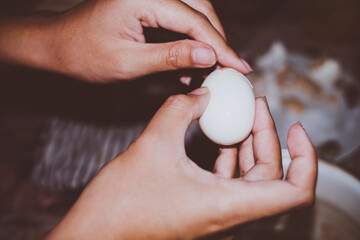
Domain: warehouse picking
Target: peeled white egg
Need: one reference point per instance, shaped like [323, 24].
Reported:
[229, 116]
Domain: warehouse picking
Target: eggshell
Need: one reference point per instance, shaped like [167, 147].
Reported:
[229, 116]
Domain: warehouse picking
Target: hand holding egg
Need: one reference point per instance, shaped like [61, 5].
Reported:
[165, 172]
[229, 116]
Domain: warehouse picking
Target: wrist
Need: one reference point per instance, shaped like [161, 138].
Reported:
[29, 41]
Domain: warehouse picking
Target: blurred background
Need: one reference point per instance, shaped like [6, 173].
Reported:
[56, 132]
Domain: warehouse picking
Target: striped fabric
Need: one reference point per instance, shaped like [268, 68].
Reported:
[75, 151]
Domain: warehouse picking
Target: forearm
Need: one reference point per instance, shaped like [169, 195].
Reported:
[29, 40]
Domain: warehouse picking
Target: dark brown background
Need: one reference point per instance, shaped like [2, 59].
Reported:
[27, 97]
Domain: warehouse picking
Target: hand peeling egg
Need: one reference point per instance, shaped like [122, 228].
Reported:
[229, 116]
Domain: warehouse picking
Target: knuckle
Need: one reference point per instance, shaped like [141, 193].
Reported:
[180, 102]
[176, 56]
[203, 18]
[307, 199]
[179, 105]
[200, 22]
[122, 70]
[207, 8]
[275, 171]
[279, 173]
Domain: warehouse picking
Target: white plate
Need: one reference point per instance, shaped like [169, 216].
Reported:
[335, 186]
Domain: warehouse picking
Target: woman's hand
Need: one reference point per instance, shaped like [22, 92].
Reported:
[154, 191]
[103, 40]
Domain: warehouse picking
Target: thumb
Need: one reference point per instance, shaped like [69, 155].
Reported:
[178, 55]
[173, 118]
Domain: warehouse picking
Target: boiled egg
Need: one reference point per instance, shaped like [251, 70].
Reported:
[229, 116]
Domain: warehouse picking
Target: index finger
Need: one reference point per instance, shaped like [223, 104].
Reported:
[206, 8]
[179, 17]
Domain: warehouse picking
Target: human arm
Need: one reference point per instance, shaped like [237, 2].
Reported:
[103, 40]
[154, 191]
[28, 40]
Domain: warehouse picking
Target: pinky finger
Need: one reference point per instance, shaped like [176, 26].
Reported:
[303, 168]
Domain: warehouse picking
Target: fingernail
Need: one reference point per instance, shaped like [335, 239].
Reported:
[200, 91]
[247, 65]
[266, 102]
[185, 80]
[302, 126]
[203, 56]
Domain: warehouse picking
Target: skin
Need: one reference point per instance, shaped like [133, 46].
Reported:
[103, 40]
[154, 191]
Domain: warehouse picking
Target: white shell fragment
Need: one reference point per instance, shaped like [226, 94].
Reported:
[229, 116]
[326, 72]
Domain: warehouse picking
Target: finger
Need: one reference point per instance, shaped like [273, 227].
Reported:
[266, 145]
[272, 197]
[255, 200]
[302, 171]
[173, 118]
[299, 186]
[225, 163]
[170, 56]
[186, 80]
[206, 8]
[179, 17]
[246, 155]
